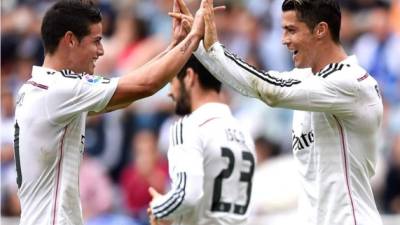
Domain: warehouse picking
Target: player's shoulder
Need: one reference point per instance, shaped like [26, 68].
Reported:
[334, 71]
[179, 129]
[67, 81]
[69, 75]
[348, 69]
[211, 114]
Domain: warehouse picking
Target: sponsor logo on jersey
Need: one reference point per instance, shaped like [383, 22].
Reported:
[303, 141]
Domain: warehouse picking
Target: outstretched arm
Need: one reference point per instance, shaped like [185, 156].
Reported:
[298, 89]
[151, 77]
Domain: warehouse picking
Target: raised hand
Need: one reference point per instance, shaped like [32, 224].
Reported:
[185, 14]
[180, 27]
[198, 22]
[210, 34]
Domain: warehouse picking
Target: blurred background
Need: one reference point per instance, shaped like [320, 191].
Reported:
[126, 150]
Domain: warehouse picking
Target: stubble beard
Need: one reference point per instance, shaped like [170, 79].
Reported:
[183, 103]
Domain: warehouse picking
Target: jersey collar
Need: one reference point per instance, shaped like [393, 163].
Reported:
[350, 60]
[40, 71]
[213, 108]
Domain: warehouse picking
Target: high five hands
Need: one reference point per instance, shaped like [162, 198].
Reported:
[202, 23]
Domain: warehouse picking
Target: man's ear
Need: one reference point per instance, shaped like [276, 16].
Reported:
[70, 39]
[190, 77]
[321, 30]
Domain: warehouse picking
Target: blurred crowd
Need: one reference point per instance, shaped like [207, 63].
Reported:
[126, 150]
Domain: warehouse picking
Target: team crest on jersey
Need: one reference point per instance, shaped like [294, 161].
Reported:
[93, 79]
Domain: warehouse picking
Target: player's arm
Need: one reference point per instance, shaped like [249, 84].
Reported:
[186, 158]
[296, 89]
[151, 77]
[180, 29]
[182, 198]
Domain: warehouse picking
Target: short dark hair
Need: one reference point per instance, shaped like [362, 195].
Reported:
[206, 80]
[312, 12]
[68, 15]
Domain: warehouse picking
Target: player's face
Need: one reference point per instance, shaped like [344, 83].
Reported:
[180, 96]
[89, 49]
[298, 39]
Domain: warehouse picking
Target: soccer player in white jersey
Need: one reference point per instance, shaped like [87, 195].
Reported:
[53, 105]
[211, 157]
[338, 110]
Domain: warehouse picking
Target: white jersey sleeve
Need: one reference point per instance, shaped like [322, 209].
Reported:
[79, 93]
[186, 169]
[298, 89]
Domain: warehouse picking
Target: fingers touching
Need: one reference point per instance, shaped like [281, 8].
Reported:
[184, 9]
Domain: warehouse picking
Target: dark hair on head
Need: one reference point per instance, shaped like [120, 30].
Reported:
[206, 80]
[312, 12]
[68, 15]
[382, 4]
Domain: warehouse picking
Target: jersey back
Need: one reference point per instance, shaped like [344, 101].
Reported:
[227, 164]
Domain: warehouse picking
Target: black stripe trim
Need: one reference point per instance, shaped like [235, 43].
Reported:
[172, 197]
[70, 74]
[339, 67]
[261, 74]
[174, 202]
[167, 212]
[177, 132]
[181, 129]
[175, 139]
[325, 70]
[332, 67]
[254, 70]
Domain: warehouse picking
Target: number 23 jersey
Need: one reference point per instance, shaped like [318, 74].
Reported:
[211, 164]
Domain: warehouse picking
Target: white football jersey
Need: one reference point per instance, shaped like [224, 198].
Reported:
[50, 117]
[211, 163]
[334, 135]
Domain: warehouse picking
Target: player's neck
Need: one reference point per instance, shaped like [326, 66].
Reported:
[204, 98]
[58, 61]
[55, 62]
[330, 53]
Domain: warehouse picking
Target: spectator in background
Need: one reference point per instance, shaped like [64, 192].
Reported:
[97, 196]
[147, 169]
[20, 46]
[9, 199]
[10, 206]
[381, 57]
[266, 149]
[391, 198]
[395, 16]
[7, 124]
